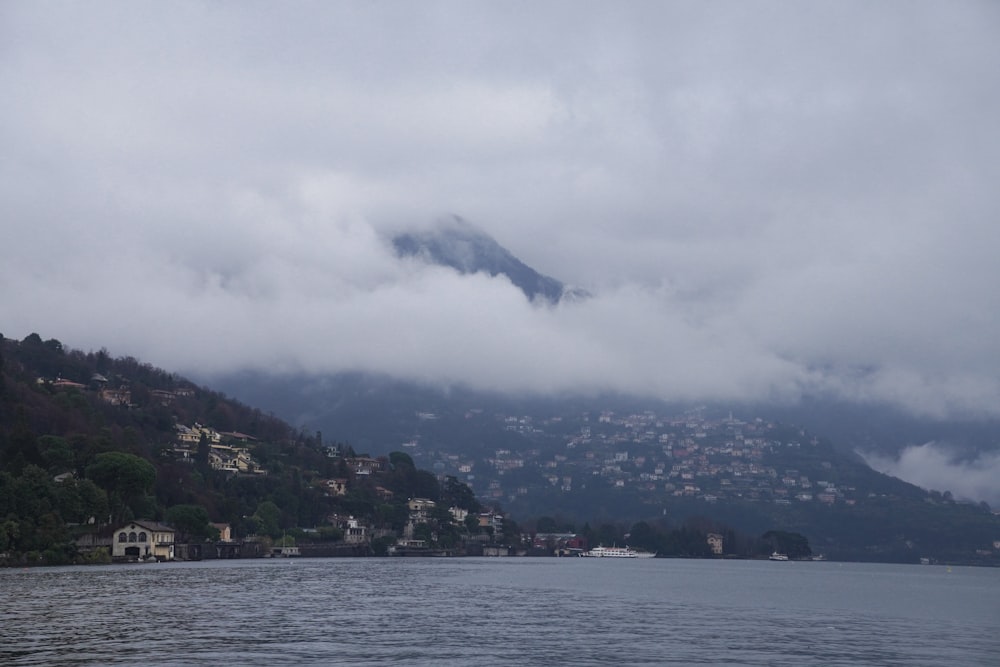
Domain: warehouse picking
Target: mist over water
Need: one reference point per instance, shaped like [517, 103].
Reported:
[500, 611]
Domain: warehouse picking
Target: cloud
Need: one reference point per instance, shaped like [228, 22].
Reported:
[765, 200]
[934, 466]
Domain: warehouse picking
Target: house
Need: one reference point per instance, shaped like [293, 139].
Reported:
[355, 532]
[68, 385]
[420, 508]
[560, 542]
[225, 531]
[193, 435]
[162, 396]
[121, 396]
[363, 465]
[187, 435]
[421, 504]
[143, 540]
[336, 487]
[491, 520]
[232, 459]
[715, 543]
[238, 436]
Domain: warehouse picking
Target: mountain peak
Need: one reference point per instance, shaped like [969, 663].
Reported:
[460, 245]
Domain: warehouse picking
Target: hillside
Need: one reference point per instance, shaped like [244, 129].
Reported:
[88, 441]
[617, 458]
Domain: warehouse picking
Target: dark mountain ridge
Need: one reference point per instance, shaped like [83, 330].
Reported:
[461, 246]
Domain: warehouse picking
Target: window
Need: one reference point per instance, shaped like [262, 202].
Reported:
[122, 537]
[131, 537]
[142, 537]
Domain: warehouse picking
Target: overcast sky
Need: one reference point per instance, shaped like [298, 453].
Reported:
[765, 198]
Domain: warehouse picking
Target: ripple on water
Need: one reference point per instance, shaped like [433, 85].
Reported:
[497, 612]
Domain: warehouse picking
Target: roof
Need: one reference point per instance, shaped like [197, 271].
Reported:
[148, 525]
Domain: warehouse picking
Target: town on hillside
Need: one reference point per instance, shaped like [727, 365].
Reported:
[686, 456]
[752, 473]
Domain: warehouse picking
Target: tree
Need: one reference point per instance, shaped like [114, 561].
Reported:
[510, 531]
[125, 477]
[22, 445]
[793, 545]
[441, 514]
[546, 524]
[380, 545]
[201, 456]
[268, 518]
[425, 485]
[330, 533]
[423, 531]
[608, 535]
[397, 459]
[642, 536]
[56, 453]
[191, 521]
[458, 494]
[9, 533]
[93, 501]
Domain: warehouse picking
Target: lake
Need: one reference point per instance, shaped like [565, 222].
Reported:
[504, 611]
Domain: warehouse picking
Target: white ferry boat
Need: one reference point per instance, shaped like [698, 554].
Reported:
[616, 552]
[777, 556]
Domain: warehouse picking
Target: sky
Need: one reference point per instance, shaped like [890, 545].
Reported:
[766, 199]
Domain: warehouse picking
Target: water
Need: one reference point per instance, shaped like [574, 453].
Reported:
[514, 611]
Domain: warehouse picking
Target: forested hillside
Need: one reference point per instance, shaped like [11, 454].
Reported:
[88, 440]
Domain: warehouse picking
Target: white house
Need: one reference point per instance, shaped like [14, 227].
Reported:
[143, 540]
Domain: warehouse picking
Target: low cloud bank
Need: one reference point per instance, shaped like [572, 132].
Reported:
[764, 204]
[328, 297]
[935, 466]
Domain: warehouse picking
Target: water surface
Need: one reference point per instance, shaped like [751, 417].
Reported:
[500, 612]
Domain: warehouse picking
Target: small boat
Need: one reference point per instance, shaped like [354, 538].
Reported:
[616, 552]
[777, 556]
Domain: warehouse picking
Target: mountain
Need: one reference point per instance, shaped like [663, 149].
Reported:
[459, 245]
[88, 440]
[885, 429]
[369, 409]
[622, 458]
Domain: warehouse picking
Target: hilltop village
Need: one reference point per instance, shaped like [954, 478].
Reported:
[679, 457]
[752, 473]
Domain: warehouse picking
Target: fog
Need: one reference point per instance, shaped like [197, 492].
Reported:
[937, 466]
[764, 199]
